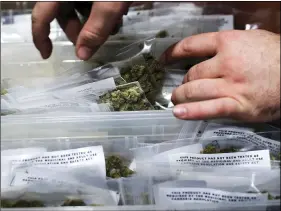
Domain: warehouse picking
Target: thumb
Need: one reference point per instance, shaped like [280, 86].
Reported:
[101, 22]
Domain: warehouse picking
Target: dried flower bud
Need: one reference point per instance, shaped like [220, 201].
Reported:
[4, 91]
[6, 203]
[210, 149]
[162, 34]
[115, 167]
[73, 203]
[22, 203]
[129, 97]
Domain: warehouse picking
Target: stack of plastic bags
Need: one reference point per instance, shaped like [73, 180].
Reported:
[214, 165]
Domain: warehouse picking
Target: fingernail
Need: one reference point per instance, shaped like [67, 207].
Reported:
[179, 111]
[84, 52]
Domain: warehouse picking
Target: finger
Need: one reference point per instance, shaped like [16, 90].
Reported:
[69, 21]
[203, 89]
[42, 15]
[117, 27]
[206, 69]
[194, 46]
[102, 20]
[209, 109]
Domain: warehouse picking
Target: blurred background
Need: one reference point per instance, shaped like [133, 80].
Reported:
[266, 13]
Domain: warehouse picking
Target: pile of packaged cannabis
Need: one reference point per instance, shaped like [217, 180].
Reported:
[67, 141]
[217, 165]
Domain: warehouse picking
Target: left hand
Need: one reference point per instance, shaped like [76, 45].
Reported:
[240, 81]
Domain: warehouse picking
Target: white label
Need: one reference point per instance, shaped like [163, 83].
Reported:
[181, 196]
[48, 104]
[44, 182]
[23, 151]
[273, 146]
[93, 156]
[220, 131]
[243, 135]
[24, 178]
[250, 159]
[193, 148]
[95, 88]
[54, 106]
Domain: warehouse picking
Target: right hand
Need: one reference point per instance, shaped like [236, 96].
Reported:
[88, 38]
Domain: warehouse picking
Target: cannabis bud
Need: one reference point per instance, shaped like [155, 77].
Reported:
[162, 34]
[270, 197]
[150, 75]
[21, 204]
[272, 157]
[115, 167]
[129, 97]
[4, 91]
[73, 203]
[210, 149]
[6, 203]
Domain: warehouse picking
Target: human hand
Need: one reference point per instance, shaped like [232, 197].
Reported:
[88, 38]
[240, 81]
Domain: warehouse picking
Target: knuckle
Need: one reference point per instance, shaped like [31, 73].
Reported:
[225, 37]
[187, 47]
[187, 91]
[194, 72]
[93, 37]
[112, 8]
[227, 108]
[230, 63]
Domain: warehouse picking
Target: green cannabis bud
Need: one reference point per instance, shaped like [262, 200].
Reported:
[95, 205]
[73, 203]
[150, 75]
[210, 149]
[129, 97]
[5, 113]
[4, 91]
[270, 197]
[272, 157]
[162, 34]
[21, 204]
[130, 199]
[115, 167]
[141, 74]
[6, 203]
[145, 198]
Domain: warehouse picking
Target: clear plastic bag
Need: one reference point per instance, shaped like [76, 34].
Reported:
[90, 91]
[210, 154]
[153, 159]
[175, 26]
[48, 187]
[195, 188]
[136, 191]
